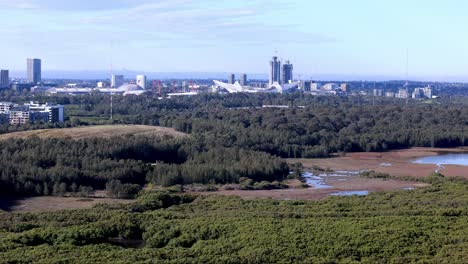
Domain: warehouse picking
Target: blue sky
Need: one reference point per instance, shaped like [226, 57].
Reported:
[360, 38]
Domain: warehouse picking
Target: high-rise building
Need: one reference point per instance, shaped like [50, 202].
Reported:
[275, 70]
[34, 70]
[4, 79]
[141, 81]
[243, 79]
[231, 78]
[287, 72]
[117, 80]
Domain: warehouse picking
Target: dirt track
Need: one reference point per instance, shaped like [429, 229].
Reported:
[396, 163]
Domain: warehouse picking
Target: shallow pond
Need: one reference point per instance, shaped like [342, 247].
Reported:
[315, 181]
[350, 193]
[445, 159]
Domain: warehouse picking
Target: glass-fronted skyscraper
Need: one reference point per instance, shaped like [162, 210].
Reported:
[231, 78]
[34, 71]
[275, 70]
[4, 79]
[117, 81]
[243, 79]
[287, 72]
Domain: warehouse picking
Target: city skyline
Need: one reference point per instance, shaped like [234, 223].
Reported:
[358, 40]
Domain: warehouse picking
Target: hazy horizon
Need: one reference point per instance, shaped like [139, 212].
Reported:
[131, 74]
[356, 39]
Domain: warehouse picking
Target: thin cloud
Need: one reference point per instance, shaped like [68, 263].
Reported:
[17, 4]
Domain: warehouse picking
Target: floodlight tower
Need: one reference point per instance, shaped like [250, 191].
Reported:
[159, 88]
[407, 82]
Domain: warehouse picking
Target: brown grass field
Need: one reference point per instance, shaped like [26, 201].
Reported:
[104, 131]
[396, 163]
[53, 203]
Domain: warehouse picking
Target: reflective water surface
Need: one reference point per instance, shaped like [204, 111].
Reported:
[350, 193]
[445, 159]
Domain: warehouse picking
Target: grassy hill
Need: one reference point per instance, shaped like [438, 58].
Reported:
[103, 131]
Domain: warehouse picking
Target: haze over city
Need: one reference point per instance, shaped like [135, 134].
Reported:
[333, 39]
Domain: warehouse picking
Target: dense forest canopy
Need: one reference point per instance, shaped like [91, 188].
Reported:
[311, 127]
[231, 136]
[426, 224]
[55, 166]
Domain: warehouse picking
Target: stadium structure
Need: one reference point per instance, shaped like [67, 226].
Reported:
[126, 89]
[275, 87]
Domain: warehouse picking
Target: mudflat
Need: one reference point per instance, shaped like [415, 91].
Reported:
[395, 163]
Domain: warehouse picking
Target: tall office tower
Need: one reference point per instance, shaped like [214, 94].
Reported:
[34, 70]
[287, 72]
[243, 79]
[275, 70]
[231, 78]
[4, 79]
[141, 81]
[117, 80]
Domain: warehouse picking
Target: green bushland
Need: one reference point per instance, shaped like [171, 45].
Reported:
[122, 165]
[424, 225]
[325, 125]
[231, 137]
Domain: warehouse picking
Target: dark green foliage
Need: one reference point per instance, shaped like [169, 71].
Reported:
[221, 165]
[325, 125]
[121, 165]
[230, 138]
[423, 225]
[117, 189]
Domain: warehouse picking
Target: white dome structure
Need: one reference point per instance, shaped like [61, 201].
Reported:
[129, 87]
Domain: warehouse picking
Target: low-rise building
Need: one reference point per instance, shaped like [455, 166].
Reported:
[31, 113]
[378, 92]
[402, 93]
[6, 107]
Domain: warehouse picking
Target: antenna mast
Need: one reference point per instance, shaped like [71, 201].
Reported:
[407, 69]
[111, 106]
[159, 88]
